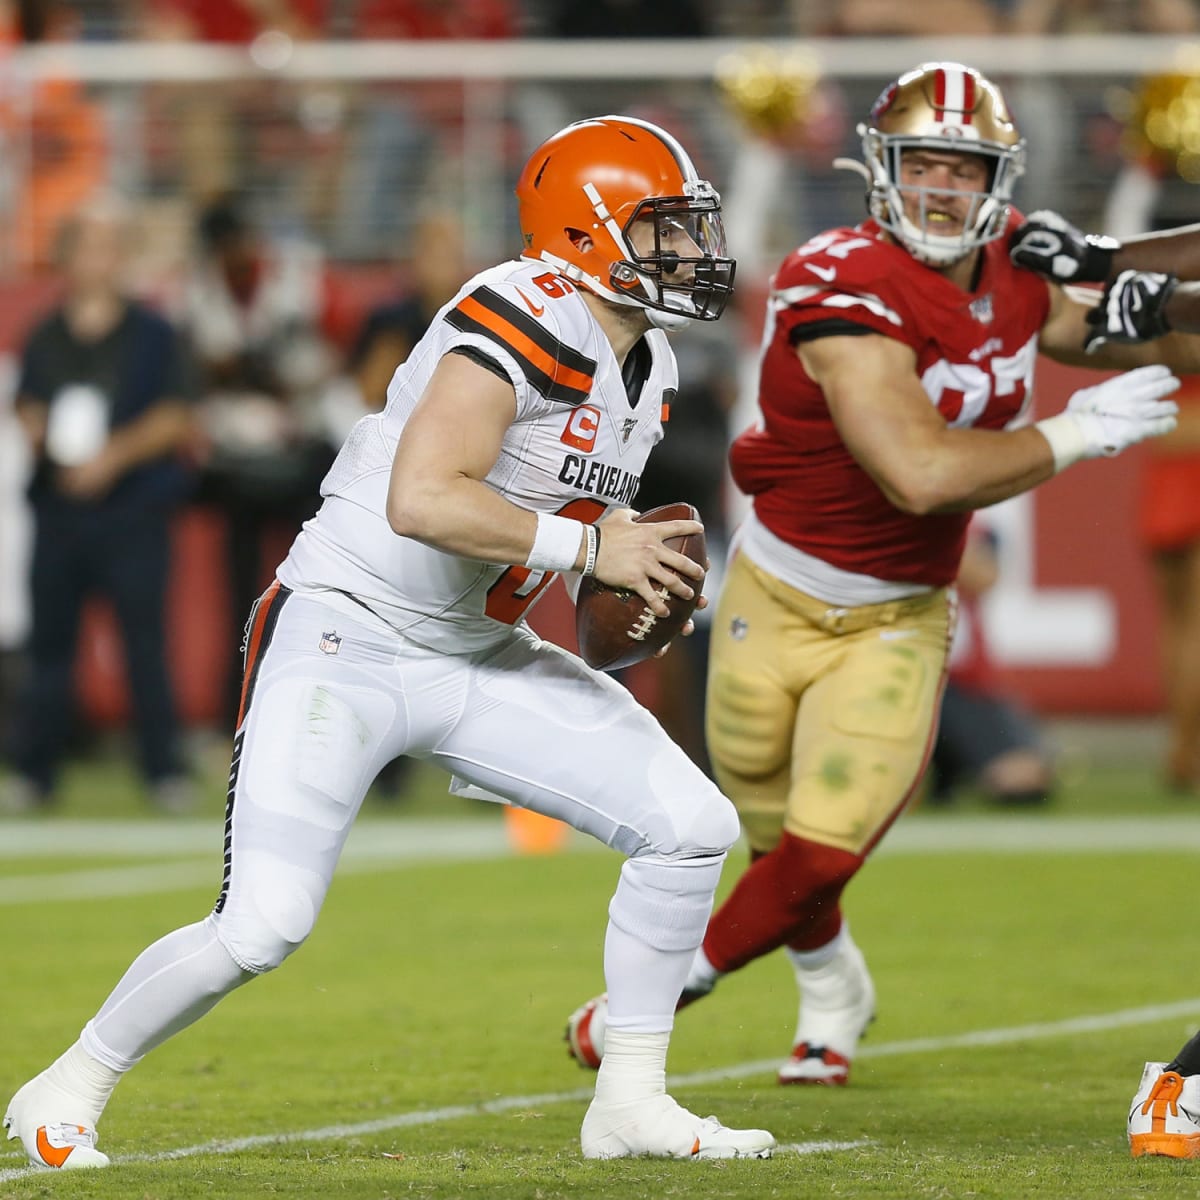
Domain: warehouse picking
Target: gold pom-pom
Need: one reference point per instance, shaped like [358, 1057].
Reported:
[1164, 117]
[771, 92]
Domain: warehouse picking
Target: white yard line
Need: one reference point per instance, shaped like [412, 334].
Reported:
[1097, 1023]
[381, 844]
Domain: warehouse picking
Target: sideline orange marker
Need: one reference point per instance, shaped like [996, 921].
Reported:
[531, 833]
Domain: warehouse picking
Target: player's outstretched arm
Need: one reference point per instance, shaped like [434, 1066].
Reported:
[924, 466]
[1046, 242]
[1127, 325]
[1133, 310]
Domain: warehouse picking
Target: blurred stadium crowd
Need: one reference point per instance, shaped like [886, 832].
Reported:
[296, 233]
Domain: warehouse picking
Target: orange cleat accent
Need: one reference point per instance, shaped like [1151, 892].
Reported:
[1164, 1119]
[53, 1156]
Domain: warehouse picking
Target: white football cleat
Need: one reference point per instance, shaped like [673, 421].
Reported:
[1164, 1118]
[837, 1003]
[585, 1032]
[57, 1145]
[658, 1127]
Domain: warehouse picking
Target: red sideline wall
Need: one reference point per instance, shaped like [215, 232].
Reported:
[1081, 525]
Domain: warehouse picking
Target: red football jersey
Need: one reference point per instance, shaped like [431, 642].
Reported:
[975, 357]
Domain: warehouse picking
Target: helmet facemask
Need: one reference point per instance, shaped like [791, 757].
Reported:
[987, 213]
[943, 108]
[676, 261]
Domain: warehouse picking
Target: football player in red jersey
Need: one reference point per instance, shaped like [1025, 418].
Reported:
[896, 368]
[1151, 289]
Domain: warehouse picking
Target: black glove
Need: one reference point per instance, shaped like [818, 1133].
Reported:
[1053, 247]
[1132, 309]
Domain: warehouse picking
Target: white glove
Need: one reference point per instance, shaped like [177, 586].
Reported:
[1112, 416]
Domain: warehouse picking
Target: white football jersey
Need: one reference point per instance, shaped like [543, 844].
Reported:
[577, 447]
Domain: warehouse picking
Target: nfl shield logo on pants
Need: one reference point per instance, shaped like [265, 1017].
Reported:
[330, 643]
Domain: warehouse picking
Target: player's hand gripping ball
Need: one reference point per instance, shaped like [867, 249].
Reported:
[614, 627]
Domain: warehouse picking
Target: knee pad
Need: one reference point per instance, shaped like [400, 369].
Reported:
[666, 902]
[684, 816]
[268, 914]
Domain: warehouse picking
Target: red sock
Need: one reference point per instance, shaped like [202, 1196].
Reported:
[790, 896]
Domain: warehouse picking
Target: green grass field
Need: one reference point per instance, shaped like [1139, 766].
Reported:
[1026, 965]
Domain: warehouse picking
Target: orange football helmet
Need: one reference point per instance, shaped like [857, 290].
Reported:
[583, 191]
[949, 108]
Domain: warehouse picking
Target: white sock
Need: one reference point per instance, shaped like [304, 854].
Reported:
[808, 960]
[634, 1067]
[703, 976]
[168, 986]
[73, 1089]
[643, 982]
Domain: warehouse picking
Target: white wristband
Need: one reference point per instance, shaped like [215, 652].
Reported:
[1068, 441]
[556, 543]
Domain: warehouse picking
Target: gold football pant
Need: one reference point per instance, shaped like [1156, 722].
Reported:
[820, 720]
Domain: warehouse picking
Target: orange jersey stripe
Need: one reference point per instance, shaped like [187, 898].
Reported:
[509, 334]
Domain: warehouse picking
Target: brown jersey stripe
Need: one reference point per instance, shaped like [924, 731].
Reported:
[261, 626]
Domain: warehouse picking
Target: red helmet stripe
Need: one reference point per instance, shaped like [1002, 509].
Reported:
[939, 92]
[968, 104]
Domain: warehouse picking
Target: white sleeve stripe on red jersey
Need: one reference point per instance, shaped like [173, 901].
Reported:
[787, 297]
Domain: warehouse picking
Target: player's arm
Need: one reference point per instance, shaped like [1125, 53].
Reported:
[1077, 329]
[1135, 308]
[888, 423]
[923, 465]
[437, 494]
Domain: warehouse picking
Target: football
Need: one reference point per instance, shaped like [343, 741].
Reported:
[614, 628]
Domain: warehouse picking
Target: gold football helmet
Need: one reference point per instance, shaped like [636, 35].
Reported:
[949, 108]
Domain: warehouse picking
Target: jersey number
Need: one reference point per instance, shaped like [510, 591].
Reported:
[512, 594]
[1012, 375]
[553, 285]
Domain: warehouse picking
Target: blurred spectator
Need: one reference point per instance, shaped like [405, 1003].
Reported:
[875, 18]
[102, 397]
[54, 143]
[627, 19]
[253, 307]
[266, 135]
[409, 140]
[433, 273]
[437, 268]
[1103, 16]
[985, 739]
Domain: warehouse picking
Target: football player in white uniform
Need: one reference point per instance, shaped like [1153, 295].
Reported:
[509, 450]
